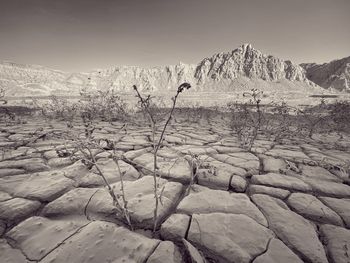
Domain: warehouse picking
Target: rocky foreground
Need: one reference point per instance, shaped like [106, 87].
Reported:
[277, 203]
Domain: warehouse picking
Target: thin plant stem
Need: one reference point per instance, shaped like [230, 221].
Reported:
[145, 105]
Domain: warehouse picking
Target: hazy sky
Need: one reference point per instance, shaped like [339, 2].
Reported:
[80, 35]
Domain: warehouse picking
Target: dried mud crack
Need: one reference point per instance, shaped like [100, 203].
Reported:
[276, 203]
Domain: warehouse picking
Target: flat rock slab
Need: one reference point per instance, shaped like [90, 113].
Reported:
[30, 165]
[295, 231]
[141, 202]
[341, 206]
[176, 169]
[192, 251]
[226, 149]
[75, 171]
[17, 208]
[175, 139]
[281, 181]
[278, 252]
[75, 202]
[38, 236]
[202, 200]
[341, 155]
[4, 196]
[324, 158]
[209, 178]
[19, 152]
[97, 202]
[197, 150]
[271, 164]
[50, 154]
[44, 186]
[246, 161]
[337, 241]
[328, 188]
[136, 153]
[59, 162]
[292, 155]
[238, 184]
[272, 191]
[103, 242]
[310, 207]
[166, 251]
[9, 254]
[175, 227]
[203, 135]
[220, 235]
[110, 170]
[10, 171]
[224, 169]
[318, 173]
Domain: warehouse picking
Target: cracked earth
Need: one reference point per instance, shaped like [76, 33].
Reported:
[278, 203]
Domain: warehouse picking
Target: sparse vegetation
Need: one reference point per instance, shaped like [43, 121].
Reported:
[339, 113]
[149, 109]
[279, 123]
[313, 119]
[85, 147]
[105, 105]
[245, 121]
[248, 120]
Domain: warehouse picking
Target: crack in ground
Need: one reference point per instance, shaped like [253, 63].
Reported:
[12, 243]
[151, 253]
[64, 240]
[139, 168]
[188, 227]
[263, 252]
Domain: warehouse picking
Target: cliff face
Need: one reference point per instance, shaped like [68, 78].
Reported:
[334, 75]
[221, 72]
[234, 70]
[150, 79]
[248, 62]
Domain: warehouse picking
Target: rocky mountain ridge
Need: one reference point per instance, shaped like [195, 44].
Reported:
[249, 62]
[332, 75]
[242, 68]
[26, 80]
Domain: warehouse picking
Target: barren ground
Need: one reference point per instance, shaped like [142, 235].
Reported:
[277, 203]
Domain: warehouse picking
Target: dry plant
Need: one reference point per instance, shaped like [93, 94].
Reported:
[58, 108]
[100, 105]
[149, 110]
[279, 123]
[312, 118]
[106, 105]
[85, 148]
[2, 96]
[245, 121]
[196, 163]
[6, 115]
[340, 115]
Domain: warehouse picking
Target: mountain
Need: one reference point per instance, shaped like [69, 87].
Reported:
[249, 62]
[34, 80]
[233, 72]
[155, 79]
[332, 75]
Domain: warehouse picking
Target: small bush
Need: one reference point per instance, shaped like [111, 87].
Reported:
[339, 113]
[246, 118]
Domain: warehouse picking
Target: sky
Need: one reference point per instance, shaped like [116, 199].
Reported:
[81, 35]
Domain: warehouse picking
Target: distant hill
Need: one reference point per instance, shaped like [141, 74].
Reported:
[332, 75]
[232, 72]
